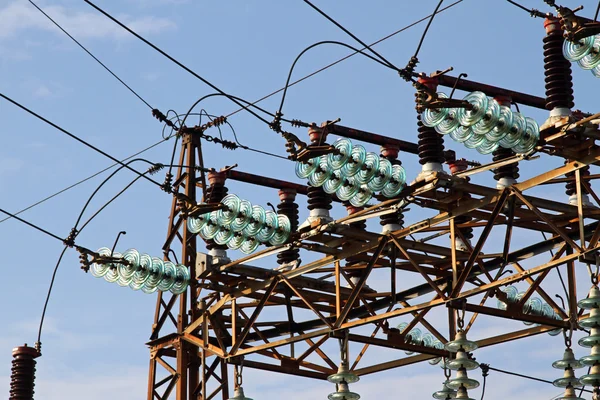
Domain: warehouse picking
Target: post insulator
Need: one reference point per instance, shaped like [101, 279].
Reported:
[22, 378]
[430, 143]
[557, 69]
[510, 171]
[362, 225]
[317, 198]
[215, 193]
[455, 167]
[289, 208]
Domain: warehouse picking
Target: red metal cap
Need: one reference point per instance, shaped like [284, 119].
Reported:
[503, 100]
[552, 24]
[431, 83]
[215, 177]
[353, 210]
[458, 165]
[25, 351]
[287, 194]
[390, 150]
[317, 134]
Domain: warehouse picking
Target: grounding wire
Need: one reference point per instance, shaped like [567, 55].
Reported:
[91, 55]
[427, 28]
[351, 35]
[91, 146]
[532, 11]
[287, 82]
[122, 25]
[346, 57]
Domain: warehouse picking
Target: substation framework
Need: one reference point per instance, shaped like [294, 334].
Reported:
[239, 312]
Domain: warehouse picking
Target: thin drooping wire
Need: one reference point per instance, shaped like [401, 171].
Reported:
[427, 28]
[346, 57]
[122, 25]
[37, 203]
[483, 386]
[32, 225]
[367, 47]
[287, 82]
[597, 11]
[54, 272]
[562, 281]
[91, 146]
[532, 11]
[91, 55]
[525, 376]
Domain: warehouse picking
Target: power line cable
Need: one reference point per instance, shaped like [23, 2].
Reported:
[91, 146]
[346, 57]
[532, 11]
[175, 61]
[351, 34]
[34, 226]
[525, 376]
[427, 27]
[91, 55]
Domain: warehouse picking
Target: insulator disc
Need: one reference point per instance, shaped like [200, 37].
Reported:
[592, 59]
[440, 346]
[363, 196]
[320, 175]
[382, 177]
[479, 101]
[141, 275]
[236, 241]
[576, 51]
[474, 141]
[223, 236]
[343, 148]
[182, 279]
[596, 71]
[99, 270]
[487, 147]
[195, 224]
[397, 183]
[449, 123]
[514, 135]
[432, 117]
[489, 120]
[157, 270]
[369, 169]
[304, 169]
[243, 218]
[355, 162]
[414, 337]
[112, 275]
[333, 183]
[257, 221]
[126, 271]
[269, 228]
[461, 134]
[212, 227]
[530, 137]
[283, 232]
[348, 189]
[232, 205]
[505, 121]
[168, 280]
[249, 246]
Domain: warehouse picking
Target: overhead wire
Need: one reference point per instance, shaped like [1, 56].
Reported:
[427, 28]
[91, 55]
[532, 11]
[524, 376]
[597, 11]
[77, 138]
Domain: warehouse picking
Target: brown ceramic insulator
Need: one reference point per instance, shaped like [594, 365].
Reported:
[391, 154]
[430, 143]
[22, 378]
[215, 194]
[289, 208]
[506, 171]
[571, 186]
[557, 69]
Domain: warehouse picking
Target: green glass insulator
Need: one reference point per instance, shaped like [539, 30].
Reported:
[462, 361]
[589, 341]
[304, 169]
[257, 221]
[232, 205]
[449, 123]
[487, 147]
[341, 155]
[143, 272]
[182, 279]
[596, 71]
[592, 301]
[269, 228]
[445, 393]
[99, 270]
[244, 217]
[369, 170]
[382, 177]
[489, 120]
[112, 275]
[168, 280]
[396, 183]
[436, 345]
[515, 133]
[474, 141]
[592, 59]
[355, 162]
[460, 342]
[126, 271]
[343, 395]
[320, 175]
[156, 272]
[505, 121]
[212, 226]
[334, 182]
[348, 190]
[223, 236]
[468, 383]
[363, 196]
[468, 118]
[531, 135]
[236, 241]
[461, 134]
[249, 246]
[413, 337]
[568, 361]
[432, 117]
[575, 51]
[195, 224]
[283, 232]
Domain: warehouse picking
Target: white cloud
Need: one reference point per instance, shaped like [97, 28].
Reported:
[42, 91]
[19, 16]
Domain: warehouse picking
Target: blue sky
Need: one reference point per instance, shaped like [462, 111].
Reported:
[95, 332]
